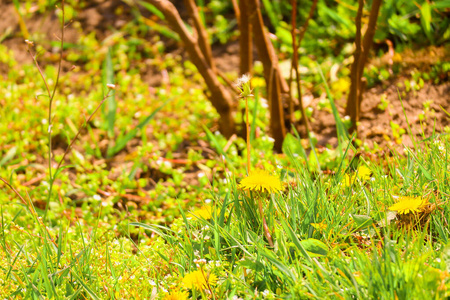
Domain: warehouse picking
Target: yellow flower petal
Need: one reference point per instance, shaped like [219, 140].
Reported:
[199, 280]
[407, 205]
[261, 181]
[176, 295]
[363, 174]
[205, 212]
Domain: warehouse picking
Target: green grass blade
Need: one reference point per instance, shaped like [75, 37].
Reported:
[214, 141]
[425, 20]
[86, 288]
[341, 131]
[8, 156]
[443, 4]
[295, 240]
[254, 115]
[152, 9]
[111, 107]
[123, 140]
[271, 13]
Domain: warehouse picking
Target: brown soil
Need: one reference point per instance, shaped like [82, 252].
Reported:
[375, 122]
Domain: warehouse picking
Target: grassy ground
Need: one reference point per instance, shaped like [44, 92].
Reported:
[152, 203]
[103, 234]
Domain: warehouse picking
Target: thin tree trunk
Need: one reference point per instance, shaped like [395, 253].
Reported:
[245, 40]
[366, 46]
[220, 97]
[275, 82]
[352, 107]
[361, 54]
[295, 60]
[203, 39]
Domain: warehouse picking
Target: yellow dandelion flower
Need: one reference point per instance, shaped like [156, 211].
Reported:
[407, 205]
[260, 180]
[363, 174]
[205, 212]
[199, 280]
[348, 180]
[176, 295]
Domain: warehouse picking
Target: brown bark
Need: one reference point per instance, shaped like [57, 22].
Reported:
[220, 97]
[295, 60]
[237, 11]
[367, 44]
[352, 107]
[361, 54]
[277, 125]
[203, 39]
[245, 40]
[274, 80]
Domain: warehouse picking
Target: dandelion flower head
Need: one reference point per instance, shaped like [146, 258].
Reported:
[261, 181]
[176, 295]
[199, 280]
[205, 212]
[407, 205]
[243, 84]
[363, 174]
[244, 79]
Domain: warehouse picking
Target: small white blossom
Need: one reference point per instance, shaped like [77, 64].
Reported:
[243, 80]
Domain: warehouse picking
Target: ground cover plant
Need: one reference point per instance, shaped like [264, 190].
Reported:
[116, 182]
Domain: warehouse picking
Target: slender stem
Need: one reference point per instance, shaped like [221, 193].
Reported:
[207, 283]
[248, 136]
[52, 97]
[79, 130]
[50, 125]
[266, 228]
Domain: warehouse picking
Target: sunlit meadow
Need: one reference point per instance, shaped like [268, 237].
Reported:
[115, 189]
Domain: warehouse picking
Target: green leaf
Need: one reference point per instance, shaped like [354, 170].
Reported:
[425, 20]
[284, 35]
[152, 9]
[441, 4]
[283, 268]
[335, 16]
[8, 156]
[291, 145]
[362, 221]
[250, 264]
[315, 247]
[271, 13]
[295, 240]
